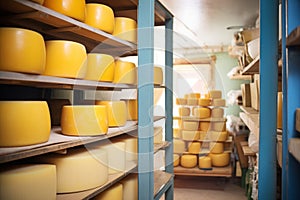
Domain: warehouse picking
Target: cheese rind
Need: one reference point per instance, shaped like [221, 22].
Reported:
[219, 126]
[218, 136]
[216, 147]
[181, 101]
[218, 102]
[179, 146]
[184, 111]
[194, 147]
[116, 157]
[125, 72]
[215, 94]
[176, 133]
[157, 76]
[194, 95]
[202, 113]
[176, 160]
[115, 192]
[192, 101]
[116, 112]
[204, 162]
[190, 135]
[125, 28]
[190, 125]
[217, 113]
[132, 109]
[204, 102]
[220, 160]
[204, 126]
[188, 161]
[130, 187]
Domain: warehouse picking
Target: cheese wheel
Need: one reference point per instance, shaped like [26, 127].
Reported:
[24, 123]
[220, 160]
[158, 134]
[116, 157]
[132, 109]
[204, 162]
[194, 147]
[194, 95]
[115, 192]
[181, 101]
[125, 72]
[218, 102]
[218, 136]
[202, 113]
[131, 147]
[216, 147]
[190, 135]
[215, 94]
[79, 169]
[176, 133]
[219, 126]
[192, 101]
[203, 135]
[125, 28]
[179, 146]
[176, 160]
[116, 112]
[190, 125]
[84, 120]
[217, 112]
[204, 102]
[188, 161]
[186, 96]
[279, 110]
[157, 76]
[184, 111]
[34, 182]
[130, 187]
[204, 126]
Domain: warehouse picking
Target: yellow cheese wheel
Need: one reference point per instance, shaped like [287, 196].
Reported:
[217, 112]
[194, 147]
[219, 126]
[158, 134]
[279, 110]
[84, 120]
[100, 67]
[125, 72]
[34, 182]
[194, 95]
[116, 157]
[201, 113]
[79, 169]
[203, 135]
[157, 76]
[218, 102]
[190, 135]
[184, 111]
[190, 125]
[115, 192]
[176, 160]
[130, 187]
[131, 146]
[216, 147]
[218, 136]
[24, 123]
[204, 102]
[186, 96]
[100, 16]
[125, 28]
[188, 161]
[192, 101]
[132, 109]
[181, 101]
[220, 160]
[116, 112]
[204, 162]
[215, 94]
[204, 126]
[176, 133]
[179, 146]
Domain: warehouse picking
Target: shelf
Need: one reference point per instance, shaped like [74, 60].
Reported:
[200, 120]
[252, 68]
[246, 149]
[215, 171]
[161, 146]
[229, 140]
[249, 110]
[252, 121]
[204, 152]
[294, 148]
[162, 181]
[293, 38]
[112, 179]
[34, 80]
[241, 77]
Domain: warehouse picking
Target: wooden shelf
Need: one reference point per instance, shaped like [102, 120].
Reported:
[246, 149]
[112, 179]
[200, 120]
[162, 181]
[161, 146]
[241, 77]
[215, 171]
[294, 148]
[293, 38]
[252, 68]
[252, 121]
[249, 110]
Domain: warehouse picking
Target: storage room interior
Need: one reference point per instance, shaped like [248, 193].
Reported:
[149, 99]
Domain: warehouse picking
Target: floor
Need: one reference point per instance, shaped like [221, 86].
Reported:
[208, 188]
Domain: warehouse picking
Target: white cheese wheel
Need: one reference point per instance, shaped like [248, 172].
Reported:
[176, 160]
[115, 192]
[204, 162]
[215, 94]
[79, 169]
[218, 136]
[219, 126]
[192, 101]
[116, 112]
[202, 113]
[217, 113]
[176, 133]
[158, 134]
[216, 147]
[179, 146]
[204, 126]
[194, 95]
[184, 111]
[204, 102]
[116, 157]
[190, 125]
[194, 147]
[218, 102]
[220, 160]
[32, 182]
[130, 187]
[190, 135]
[181, 101]
[188, 161]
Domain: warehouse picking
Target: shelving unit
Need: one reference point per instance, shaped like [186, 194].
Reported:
[251, 118]
[53, 25]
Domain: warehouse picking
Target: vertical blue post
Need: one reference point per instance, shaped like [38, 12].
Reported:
[169, 102]
[268, 99]
[145, 99]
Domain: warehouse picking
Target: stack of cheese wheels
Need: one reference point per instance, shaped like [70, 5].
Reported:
[114, 192]
[125, 28]
[31, 181]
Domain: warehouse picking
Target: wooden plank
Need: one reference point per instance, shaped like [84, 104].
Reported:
[215, 171]
[241, 77]
[252, 121]
[160, 180]
[294, 148]
[161, 146]
[198, 119]
[252, 68]
[246, 149]
[249, 110]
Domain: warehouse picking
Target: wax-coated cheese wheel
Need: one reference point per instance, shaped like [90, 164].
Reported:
[132, 109]
[176, 133]
[217, 113]
[219, 126]
[215, 94]
[125, 28]
[204, 126]
[116, 157]
[24, 123]
[130, 187]
[84, 120]
[216, 147]
[79, 169]
[194, 147]
[188, 161]
[192, 101]
[181, 101]
[194, 95]
[179, 146]
[204, 102]
[158, 134]
[218, 136]
[204, 162]
[220, 159]
[202, 113]
[190, 125]
[125, 72]
[115, 192]
[116, 112]
[176, 160]
[218, 102]
[190, 135]
[184, 111]
[28, 182]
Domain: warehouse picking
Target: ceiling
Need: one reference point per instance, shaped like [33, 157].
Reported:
[204, 22]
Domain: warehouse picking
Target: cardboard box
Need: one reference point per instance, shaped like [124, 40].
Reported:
[246, 94]
[254, 96]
